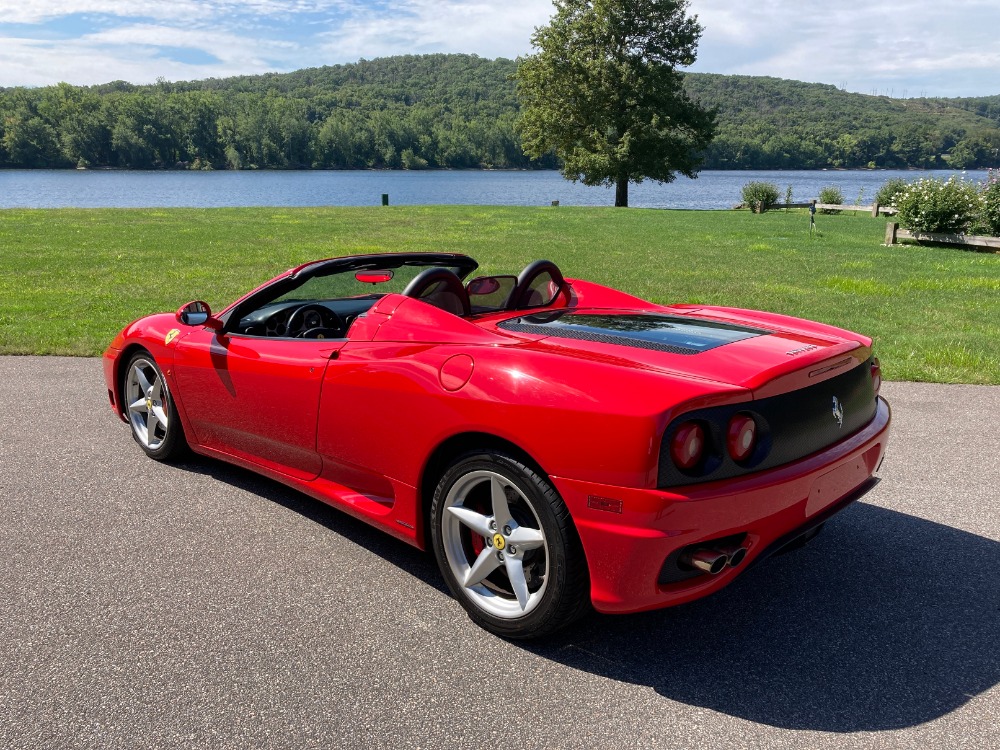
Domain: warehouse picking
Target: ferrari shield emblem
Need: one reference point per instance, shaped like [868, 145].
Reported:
[171, 335]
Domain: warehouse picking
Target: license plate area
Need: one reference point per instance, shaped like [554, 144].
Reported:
[830, 487]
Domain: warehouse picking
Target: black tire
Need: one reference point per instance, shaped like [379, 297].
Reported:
[550, 566]
[166, 442]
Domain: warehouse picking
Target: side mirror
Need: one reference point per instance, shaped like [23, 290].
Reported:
[197, 313]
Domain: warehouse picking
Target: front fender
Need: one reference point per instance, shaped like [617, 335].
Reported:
[157, 334]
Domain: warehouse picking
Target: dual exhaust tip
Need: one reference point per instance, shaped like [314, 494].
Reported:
[713, 560]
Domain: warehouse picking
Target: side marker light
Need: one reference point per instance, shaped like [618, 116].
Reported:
[604, 503]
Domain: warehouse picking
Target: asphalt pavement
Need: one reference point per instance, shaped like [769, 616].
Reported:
[197, 605]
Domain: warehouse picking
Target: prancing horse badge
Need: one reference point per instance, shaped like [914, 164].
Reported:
[838, 411]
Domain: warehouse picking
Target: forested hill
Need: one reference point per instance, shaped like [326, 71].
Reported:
[457, 111]
[770, 123]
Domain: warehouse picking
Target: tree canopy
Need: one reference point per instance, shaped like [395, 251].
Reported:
[412, 112]
[603, 91]
[458, 111]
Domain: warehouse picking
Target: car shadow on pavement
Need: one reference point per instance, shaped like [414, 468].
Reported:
[395, 551]
[884, 621]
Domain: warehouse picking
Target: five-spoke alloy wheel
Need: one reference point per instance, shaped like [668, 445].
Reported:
[507, 546]
[150, 410]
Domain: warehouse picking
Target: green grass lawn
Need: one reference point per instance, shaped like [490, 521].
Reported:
[70, 279]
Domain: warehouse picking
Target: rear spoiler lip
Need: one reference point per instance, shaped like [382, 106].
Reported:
[808, 369]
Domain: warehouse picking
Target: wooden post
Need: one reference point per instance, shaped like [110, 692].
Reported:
[385, 199]
[890, 232]
[875, 208]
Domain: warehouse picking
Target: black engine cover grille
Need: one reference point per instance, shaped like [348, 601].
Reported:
[789, 427]
[673, 334]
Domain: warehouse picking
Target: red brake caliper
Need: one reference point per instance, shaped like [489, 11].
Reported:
[478, 543]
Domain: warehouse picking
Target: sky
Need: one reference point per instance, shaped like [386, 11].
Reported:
[894, 47]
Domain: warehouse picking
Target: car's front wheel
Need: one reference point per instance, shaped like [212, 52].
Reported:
[150, 409]
[507, 547]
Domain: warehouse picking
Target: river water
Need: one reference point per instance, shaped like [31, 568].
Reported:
[133, 189]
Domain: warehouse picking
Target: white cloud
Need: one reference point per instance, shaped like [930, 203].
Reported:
[30, 63]
[223, 45]
[489, 29]
[38, 11]
[918, 46]
[134, 54]
[922, 45]
[143, 52]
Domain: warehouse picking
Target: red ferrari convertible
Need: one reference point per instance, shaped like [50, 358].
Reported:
[558, 443]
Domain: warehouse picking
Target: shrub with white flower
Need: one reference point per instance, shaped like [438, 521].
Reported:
[990, 195]
[939, 206]
[886, 195]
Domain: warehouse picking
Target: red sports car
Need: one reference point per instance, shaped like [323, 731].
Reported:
[558, 443]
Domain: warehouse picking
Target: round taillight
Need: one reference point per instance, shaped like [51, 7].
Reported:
[688, 445]
[741, 437]
[876, 374]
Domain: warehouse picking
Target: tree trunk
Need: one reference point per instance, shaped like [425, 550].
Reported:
[621, 193]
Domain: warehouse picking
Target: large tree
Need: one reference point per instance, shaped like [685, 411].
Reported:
[603, 91]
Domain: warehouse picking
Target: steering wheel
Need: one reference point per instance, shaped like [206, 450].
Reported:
[309, 320]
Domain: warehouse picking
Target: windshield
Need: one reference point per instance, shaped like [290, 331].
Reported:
[345, 284]
[334, 283]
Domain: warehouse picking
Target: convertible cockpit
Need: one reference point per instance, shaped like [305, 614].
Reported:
[322, 299]
[307, 319]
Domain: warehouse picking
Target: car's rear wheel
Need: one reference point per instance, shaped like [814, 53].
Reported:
[507, 547]
[150, 409]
